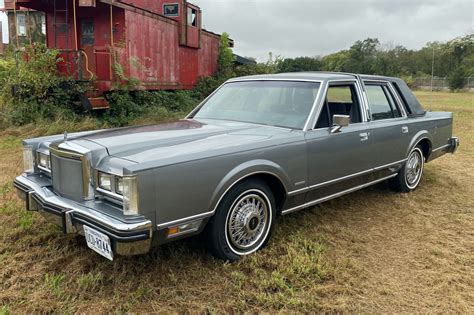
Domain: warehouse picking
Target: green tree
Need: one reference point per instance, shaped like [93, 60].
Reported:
[362, 56]
[299, 64]
[336, 61]
[226, 57]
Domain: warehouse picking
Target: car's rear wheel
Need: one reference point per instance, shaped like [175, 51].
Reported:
[410, 174]
[243, 221]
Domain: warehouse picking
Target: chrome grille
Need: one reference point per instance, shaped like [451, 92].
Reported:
[67, 177]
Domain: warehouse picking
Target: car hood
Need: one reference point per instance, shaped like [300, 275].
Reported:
[181, 138]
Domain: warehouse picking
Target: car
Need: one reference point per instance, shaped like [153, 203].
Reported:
[257, 148]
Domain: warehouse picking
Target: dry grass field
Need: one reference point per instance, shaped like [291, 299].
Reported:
[374, 251]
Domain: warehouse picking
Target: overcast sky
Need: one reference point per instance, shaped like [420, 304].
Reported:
[313, 27]
[293, 28]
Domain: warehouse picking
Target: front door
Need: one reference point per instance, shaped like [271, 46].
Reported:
[338, 161]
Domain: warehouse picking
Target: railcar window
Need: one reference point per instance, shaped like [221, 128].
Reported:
[21, 24]
[171, 9]
[192, 17]
[87, 35]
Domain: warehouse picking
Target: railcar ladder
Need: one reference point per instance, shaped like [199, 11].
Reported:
[62, 27]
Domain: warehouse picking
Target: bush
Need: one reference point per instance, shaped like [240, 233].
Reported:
[206, 86]
[456, 79]
[126, 106]
[33, 91]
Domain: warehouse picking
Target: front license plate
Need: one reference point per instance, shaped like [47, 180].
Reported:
[98, 242]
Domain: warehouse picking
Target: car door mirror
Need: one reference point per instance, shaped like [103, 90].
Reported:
[339, 121]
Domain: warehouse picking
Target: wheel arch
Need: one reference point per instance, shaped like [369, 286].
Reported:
[424, 139]
[267, 171]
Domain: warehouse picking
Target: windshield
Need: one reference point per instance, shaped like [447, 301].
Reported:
[276, 103]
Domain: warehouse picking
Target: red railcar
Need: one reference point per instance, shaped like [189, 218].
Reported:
[161, 43]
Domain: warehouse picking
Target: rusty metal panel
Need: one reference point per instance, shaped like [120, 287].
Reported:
[188, 67]
[208, 55]
[145, 45]
[153, 61]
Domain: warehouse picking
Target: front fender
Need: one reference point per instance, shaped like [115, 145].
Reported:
[245, 170]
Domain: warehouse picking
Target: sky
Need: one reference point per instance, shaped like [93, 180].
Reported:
[292, 28]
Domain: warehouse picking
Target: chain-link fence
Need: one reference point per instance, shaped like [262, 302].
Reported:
[440, 83]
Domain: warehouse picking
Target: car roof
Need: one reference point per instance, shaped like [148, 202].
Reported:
[315, 75]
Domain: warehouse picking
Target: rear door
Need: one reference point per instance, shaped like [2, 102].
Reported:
[389, 131]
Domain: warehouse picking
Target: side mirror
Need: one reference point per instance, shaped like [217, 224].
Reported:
[339, 121]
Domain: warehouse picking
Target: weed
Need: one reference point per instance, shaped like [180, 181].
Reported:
[90, 281]
[25, 220]
[4, 310]
[10, 142]
[53, 282]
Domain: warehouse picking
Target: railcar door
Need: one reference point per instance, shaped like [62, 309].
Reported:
[87, 42]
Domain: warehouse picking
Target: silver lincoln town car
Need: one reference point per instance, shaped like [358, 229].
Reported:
[257, 148]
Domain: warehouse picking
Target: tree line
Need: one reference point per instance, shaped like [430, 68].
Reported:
[453, 59]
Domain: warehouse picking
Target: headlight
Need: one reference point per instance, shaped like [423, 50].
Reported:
[105, 181]
[28, 159]
[119, 185]
[130, 195]
[44, 161]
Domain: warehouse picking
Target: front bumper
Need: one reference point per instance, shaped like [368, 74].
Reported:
[127, 238]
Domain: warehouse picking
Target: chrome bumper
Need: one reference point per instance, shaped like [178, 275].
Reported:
[128, 238]
[454, 144]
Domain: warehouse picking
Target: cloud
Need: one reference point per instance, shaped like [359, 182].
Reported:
[309, 27]
[293, 28]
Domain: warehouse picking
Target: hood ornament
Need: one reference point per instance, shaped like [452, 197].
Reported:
[65, 136]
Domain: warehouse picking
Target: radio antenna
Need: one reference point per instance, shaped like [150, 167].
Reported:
[432, 78]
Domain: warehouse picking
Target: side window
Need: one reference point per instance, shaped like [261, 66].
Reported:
[192, 17]
[21, 24]
[341, 99]
[171, 9]
[87, 35]
[381, 102]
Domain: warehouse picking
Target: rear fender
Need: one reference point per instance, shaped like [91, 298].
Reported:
[423, 134]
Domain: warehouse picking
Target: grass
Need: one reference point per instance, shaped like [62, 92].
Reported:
[373, 251]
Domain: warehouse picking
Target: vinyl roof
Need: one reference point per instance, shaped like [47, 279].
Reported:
[317, 75]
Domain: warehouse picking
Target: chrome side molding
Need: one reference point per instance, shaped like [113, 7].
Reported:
[314, 202]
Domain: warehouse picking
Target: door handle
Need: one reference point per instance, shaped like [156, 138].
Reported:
[404, 129]
[364, 136]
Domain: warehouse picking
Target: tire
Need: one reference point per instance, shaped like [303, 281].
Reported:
[410, 174]
[237, 229]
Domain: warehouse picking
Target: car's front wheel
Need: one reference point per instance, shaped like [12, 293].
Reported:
[243, 220]
[410, 174]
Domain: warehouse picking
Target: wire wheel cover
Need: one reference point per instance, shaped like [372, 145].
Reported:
[413, 168]
[247, 221]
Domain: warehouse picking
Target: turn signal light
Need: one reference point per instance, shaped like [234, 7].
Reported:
[184, 229]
